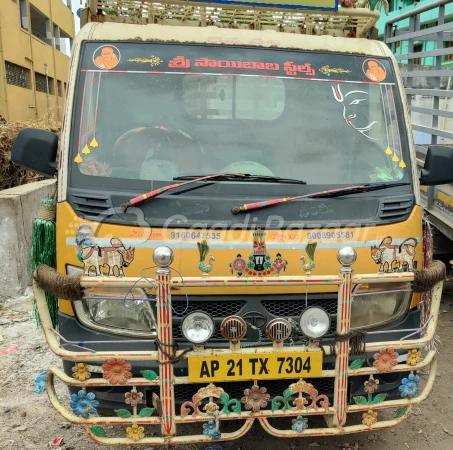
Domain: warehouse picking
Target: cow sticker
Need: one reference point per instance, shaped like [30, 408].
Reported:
[374, 70]
[394, 257]
[112, 258]
[259, 263]
[106, 57]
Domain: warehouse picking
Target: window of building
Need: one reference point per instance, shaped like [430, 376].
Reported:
[17, 75]
[40, 25]
[23, 14]
[65, 43]
[59, 87]
[448, 58]
[41, 83]
[417, 49]
[65, 88]
[56, 36]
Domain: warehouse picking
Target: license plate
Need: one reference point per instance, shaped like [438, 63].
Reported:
[254, 366]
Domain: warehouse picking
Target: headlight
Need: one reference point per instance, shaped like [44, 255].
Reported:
[197, 327]
[314, 322]
[378, 304]
[116, 310]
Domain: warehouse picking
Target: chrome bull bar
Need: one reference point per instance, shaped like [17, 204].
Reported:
[164, 413]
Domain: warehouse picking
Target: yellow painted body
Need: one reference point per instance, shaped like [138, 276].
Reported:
[267, 366]
[291, 245]
[19, 46]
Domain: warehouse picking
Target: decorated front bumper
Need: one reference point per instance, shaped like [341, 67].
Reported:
[211, 405]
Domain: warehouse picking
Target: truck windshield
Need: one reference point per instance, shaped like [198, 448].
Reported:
[153, 112]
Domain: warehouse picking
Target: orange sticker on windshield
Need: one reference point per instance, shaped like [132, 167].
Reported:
[374, 70]
[106, 57]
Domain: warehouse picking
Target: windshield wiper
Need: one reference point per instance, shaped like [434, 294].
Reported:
[156, 192]
[245, 177]
[324, 194]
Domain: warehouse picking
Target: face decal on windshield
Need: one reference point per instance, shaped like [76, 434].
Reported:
[106, 57]
[374, 70]
[351, 102]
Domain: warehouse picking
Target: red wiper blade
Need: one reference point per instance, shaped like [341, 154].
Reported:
[141, 198]
[330, 193]
[277, 201]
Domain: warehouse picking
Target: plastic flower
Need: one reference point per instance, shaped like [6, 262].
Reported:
[83, 404]
[255, 398]
[370, 418]
[409, 386]
[371, 386]
[135, 432]
[209, 429]
[413, 357]
[385, 359]
[117, 371]
[81, 371]
[134, 398]
[299, 424]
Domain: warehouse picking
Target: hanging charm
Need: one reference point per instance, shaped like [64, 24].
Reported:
[43, 251]
[94, 142]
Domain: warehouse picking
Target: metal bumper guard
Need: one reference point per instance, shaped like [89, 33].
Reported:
[292, 404]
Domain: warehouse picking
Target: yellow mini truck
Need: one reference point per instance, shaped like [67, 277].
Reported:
[239, 230]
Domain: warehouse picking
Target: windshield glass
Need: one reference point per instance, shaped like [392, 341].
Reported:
[153, 112]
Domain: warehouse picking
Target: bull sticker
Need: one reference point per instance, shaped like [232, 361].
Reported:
[259, 262]
[351, 102]
[374, 70]
[395, 258]
[113, 258]
[106, 57]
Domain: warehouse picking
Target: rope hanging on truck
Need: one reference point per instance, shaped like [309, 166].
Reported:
[426, 279]
[59, 285]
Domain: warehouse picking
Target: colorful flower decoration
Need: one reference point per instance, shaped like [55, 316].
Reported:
[370, 418]
[81, 371]
[135, 432]
[83, 404]
[255, 398]
[371, 385]
[117, 371]
[385, 360]
[413, 357]
[409, 386]
[134, 398]
[210, 429]
[299, 424]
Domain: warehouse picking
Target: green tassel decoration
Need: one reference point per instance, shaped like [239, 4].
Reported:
[43, 251]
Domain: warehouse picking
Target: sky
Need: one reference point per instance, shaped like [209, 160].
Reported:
[76, 4]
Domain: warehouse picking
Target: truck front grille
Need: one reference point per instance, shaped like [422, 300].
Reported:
[268, 306]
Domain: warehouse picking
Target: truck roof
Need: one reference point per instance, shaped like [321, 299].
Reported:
[226, 36]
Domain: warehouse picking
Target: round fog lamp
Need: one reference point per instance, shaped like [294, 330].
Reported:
[197, 327]
[314, 322]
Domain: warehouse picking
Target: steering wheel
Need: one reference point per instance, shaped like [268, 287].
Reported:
[133, 147]
[249, 167]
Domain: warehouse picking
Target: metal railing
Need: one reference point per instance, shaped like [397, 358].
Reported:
[432, 122]
[212, 414]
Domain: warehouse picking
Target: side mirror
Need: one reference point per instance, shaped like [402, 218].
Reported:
[36, 150]
[438, 167]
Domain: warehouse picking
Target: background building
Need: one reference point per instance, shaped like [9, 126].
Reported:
[427, 20]
[35, 43]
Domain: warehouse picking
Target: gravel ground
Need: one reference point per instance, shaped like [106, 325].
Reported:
[27, 421]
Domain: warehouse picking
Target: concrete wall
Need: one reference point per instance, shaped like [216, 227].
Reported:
[19, 207]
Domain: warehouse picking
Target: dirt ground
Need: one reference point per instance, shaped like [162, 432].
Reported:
[27, 421]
